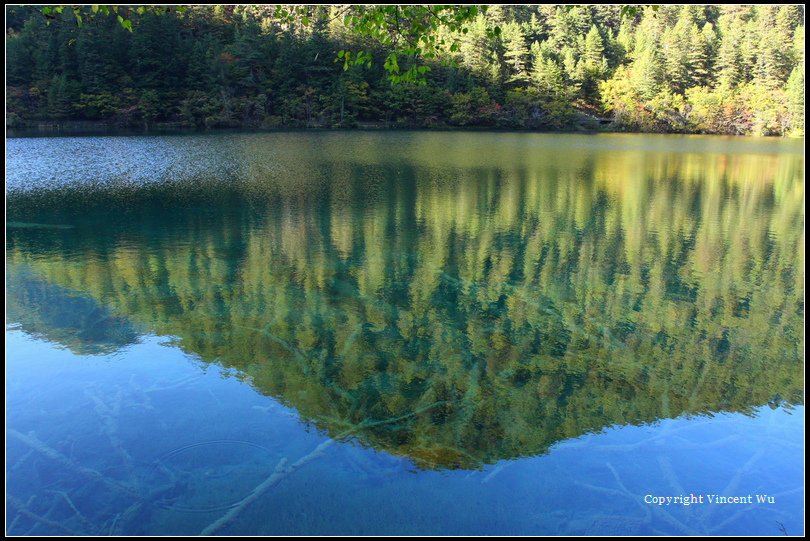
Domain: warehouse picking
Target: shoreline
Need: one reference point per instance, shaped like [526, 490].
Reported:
[80, 128]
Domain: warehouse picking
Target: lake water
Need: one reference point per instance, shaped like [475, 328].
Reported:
[404, 333]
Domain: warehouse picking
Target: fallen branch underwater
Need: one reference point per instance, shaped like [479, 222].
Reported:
[23, 510]
[40, 447]
[37, 445]
[282, 470]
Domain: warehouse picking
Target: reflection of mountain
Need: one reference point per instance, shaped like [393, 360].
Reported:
[59, 315]
[509, 306]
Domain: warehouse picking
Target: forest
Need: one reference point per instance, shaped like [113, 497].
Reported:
[680, 69]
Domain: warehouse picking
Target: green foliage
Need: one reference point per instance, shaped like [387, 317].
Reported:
[730, 75]
[516, 52]
[62, 95]
[95, 106]
[300, 65]
[593, 49]
[795, 99]
[473, 108]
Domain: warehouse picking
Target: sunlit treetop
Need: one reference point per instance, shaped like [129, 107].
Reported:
[414, 33]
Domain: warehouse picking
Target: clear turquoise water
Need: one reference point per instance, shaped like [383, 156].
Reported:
[394, 333]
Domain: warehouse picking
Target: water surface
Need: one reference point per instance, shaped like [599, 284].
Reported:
[404, 333]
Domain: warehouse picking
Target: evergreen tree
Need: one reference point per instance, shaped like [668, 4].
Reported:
[647, 73]
[648, 65]
[62, 94]
[625, 38]
[515, 52]
[475, 47]
[729, 58]
[594, 49]
[677, 50]
[798, 45]
[697, 58]
[547, 76]
[772, 59]
[795, 95]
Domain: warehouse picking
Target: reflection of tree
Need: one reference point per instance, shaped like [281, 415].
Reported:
[512, 305]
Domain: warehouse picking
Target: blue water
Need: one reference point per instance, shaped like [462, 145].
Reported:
[428, 334]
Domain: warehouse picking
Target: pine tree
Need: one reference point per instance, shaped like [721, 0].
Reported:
[536, 29]
[582, 19]
[495, 15]
[729, 57]
[795, 94]
[711, 40]
[547, 77]
[625, 38]
[535, 53]
[771, 60]
[648, 73]
[594, 49]
[20, 57]
[62, 94]
[569, 63]
[677, 44]
[798, 45]
[562, 29]
[749, 49]
[474, 47]
[698, 55]
[515, 52]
